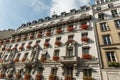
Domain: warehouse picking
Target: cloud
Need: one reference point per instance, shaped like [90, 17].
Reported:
[59, 6]
[40, 5]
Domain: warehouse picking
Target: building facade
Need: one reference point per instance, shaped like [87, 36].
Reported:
[62, 47]
[107, 22]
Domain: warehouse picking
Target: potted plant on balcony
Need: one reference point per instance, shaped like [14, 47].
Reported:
[23, 59]
[86, 56]
[39, 35]
[28, 46]
[14, 48]
[58, 43]
[18, 39]
[12, 40]
[55, 58]
[52, 77]
[1, 61]
[68, 77]
[113, 64]
[1, 42]
[21, 48]
[9, 75]
[48, 33]
[17, 75]
[2, 75]
[84, 26]
[58, 31]
[16, 60]
[26, 76]
[36, 45]
[70, 28]
[85, 39]
[43, 59]
[25, 37]
[8, 49]
[87, 78]
[38, 76]
[31, 36]
[7, 41]
[46, 44]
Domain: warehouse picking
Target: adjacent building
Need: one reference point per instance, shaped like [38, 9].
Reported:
[107, 22]
[61, 47]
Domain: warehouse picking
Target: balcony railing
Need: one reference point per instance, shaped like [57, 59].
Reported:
[69, 59]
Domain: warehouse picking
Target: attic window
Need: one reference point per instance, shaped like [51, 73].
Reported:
[63, 13]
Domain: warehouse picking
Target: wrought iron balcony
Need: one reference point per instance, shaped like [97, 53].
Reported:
[69, 59]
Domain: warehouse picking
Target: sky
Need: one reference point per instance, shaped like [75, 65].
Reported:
[13, 13]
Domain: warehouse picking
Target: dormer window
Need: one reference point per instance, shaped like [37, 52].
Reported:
[40, 20]
[63, 14]
[47, 18]
[34, 22]
[29, 23]
[98, 8]
[54, 16]
[73, 11]
[110, 5]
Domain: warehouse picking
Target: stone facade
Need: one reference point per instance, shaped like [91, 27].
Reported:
[58, 48]
[80, 45]
[108, 31]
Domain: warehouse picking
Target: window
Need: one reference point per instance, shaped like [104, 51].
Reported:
[98, 8]
[110, 5]
[69, 71]
[54, 71]
[102, 1]
[114, 13]
[101, 16]
[84, 34]
[47, 40]
[87, 72]
[18, 55]
[104, 27]
[16, 45]
[58, 38]
[33, 55]
[38, 41]
[5, 57]
[44, 54]
[70, 37]
[107, 39]
[70, 51]
[85, 50]
[110, 56]
[26, 54]
[98, 2]
[10, 57]
[56, 53]
[117, 23]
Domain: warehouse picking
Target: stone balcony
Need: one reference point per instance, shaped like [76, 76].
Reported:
[69, 59]
[93, 60]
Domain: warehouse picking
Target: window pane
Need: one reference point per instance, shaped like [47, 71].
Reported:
[85, 50]
[110, 56]
[106, 39]
[117, 23]
[70, 52]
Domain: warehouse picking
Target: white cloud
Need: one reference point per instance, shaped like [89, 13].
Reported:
[59, 6]
[39, 5]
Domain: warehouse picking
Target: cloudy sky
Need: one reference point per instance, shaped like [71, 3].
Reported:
[13, 13]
